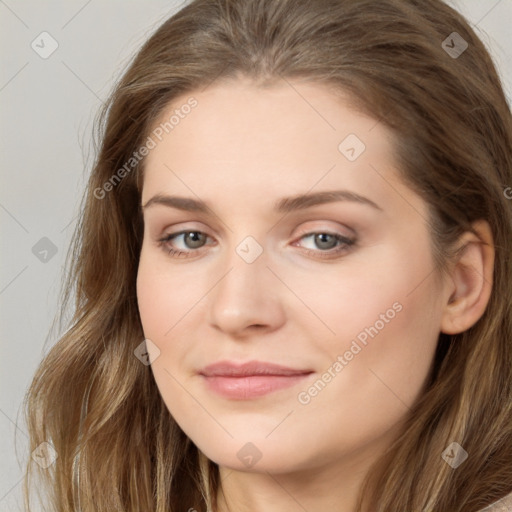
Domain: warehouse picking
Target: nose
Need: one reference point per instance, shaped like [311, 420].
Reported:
[246, 299]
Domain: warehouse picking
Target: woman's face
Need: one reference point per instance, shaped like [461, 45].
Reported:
[302, 249]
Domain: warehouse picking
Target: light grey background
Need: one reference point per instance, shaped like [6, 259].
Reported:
[47, 110]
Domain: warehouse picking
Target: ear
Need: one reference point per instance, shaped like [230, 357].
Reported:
[469, 287]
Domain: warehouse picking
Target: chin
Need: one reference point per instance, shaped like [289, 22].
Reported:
[258, 455]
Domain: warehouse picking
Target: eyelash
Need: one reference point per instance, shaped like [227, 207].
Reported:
[347, 244]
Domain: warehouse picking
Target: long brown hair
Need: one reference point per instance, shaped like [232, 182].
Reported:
[118, 447]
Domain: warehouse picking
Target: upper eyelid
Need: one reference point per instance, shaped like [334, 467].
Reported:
[304, 231]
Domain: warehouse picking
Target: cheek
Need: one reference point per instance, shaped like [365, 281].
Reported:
[164, 299]
[389, 290]
[401, 357]
[387, 326]
[171, 301]
[164, 296]
[381, 371]
[386, 316]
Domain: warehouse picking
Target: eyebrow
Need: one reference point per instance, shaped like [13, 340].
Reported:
[284, 205]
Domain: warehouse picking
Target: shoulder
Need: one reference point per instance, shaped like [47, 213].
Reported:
[503, 505]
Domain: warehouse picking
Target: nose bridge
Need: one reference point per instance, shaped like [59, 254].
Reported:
[244, 295]
[245, 281]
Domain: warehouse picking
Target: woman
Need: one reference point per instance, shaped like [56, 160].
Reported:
[293, 274]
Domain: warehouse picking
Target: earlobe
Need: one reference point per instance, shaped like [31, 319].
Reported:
[471, 280]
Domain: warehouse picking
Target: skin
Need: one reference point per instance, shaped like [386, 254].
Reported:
[240, 150]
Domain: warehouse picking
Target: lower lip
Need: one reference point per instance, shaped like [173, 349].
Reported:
[252, 386]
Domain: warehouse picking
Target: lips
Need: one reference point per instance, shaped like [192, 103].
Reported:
[250, 380]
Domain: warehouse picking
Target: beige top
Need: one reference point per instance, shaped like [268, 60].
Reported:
[503, 505]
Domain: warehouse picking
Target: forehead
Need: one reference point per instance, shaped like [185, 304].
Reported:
[244, 140]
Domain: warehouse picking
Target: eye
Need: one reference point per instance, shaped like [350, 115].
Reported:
[193, 240]
[329, 244]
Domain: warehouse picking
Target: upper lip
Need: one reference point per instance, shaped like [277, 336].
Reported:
[231, 369]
